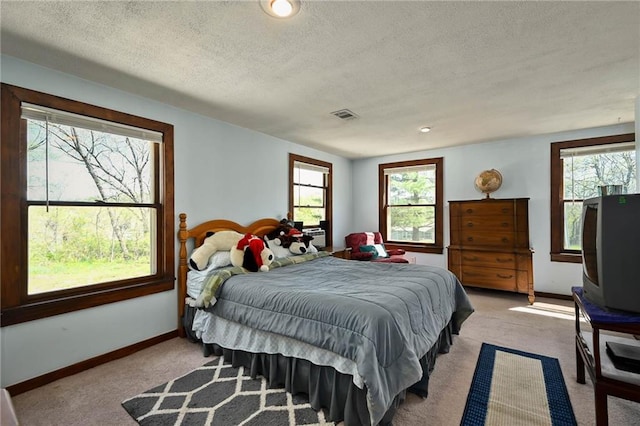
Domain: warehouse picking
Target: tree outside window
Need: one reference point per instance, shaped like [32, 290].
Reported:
[578, 169]
[411, 204]
[90, 205]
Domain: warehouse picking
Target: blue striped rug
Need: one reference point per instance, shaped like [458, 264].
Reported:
[512, 387]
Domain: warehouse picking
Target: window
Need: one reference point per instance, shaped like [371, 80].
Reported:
[578, 169]
[87, 206]
[411, 206]
[310, 192]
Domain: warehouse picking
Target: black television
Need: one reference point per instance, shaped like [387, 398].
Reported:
[611, 251]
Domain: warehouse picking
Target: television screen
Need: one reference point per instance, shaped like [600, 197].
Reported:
[589, 253]
[611, 251]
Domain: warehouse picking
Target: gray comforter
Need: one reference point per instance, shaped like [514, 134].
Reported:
[383, 316]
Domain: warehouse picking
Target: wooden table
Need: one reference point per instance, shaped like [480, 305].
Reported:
[343, 253]
[591, 355]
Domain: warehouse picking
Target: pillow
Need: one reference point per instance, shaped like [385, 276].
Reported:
[219, 259]
[377, 250]
[382, 252]
[370, 249]
[278, 250]
[312, 248]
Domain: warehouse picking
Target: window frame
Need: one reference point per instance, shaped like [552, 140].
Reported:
[17, 305]
[328, 201]
[558, 253]
[437, 247]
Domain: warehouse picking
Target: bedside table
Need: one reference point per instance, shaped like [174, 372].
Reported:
[344, 253]
[592, 357]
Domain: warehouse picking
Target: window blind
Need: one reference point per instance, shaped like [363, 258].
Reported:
[310, 167]
[409, 169]
[50, 115]
[598, 149]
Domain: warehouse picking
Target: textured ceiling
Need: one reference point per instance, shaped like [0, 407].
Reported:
[473, 71]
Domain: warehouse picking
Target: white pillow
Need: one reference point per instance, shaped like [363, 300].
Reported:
[381, 250]
[312, 249]
[219, 259]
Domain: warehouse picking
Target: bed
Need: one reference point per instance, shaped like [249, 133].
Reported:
[353, 336]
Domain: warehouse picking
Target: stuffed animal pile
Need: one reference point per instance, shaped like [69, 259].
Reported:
[289, 237]
[248, 251]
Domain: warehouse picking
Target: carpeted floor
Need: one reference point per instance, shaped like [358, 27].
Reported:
[93, 397]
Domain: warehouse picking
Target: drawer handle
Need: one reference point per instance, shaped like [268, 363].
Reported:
[470, 225]
[506, 277]
[505, 210]
[503, 260]
[505, 240]
[505, 224]
[469, 210]
[472, 259]
[469, 238]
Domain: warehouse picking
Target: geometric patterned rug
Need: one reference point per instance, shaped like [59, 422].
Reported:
[512, 387]
[218, 394]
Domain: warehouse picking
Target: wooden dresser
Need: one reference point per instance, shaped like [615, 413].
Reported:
[489, 244]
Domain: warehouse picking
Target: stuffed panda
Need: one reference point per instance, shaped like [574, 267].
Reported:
[301, 244]
[290, 238]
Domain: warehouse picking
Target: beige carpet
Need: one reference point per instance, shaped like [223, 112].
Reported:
[93, 397]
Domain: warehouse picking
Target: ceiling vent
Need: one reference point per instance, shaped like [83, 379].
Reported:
[345, 114]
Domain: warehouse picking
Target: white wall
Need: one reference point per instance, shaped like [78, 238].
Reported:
[221, 171]
[525, 168]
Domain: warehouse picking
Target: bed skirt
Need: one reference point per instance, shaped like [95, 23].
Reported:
[326, 387]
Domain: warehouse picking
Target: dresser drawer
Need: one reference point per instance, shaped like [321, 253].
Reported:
[482, 238]
[488, 259]
[487, 223]
[502, 279]
[486, 208]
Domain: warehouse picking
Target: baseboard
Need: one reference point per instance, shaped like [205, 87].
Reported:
[506, 293]
[554, 295]
[70, 370]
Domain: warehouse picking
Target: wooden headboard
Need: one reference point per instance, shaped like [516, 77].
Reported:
[199, 233]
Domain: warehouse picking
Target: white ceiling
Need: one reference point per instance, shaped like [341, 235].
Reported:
[473, 71]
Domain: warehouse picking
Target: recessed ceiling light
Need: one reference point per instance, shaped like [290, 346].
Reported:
[280, 8]
[425, 129]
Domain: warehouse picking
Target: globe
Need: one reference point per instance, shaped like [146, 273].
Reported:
[488, 181]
